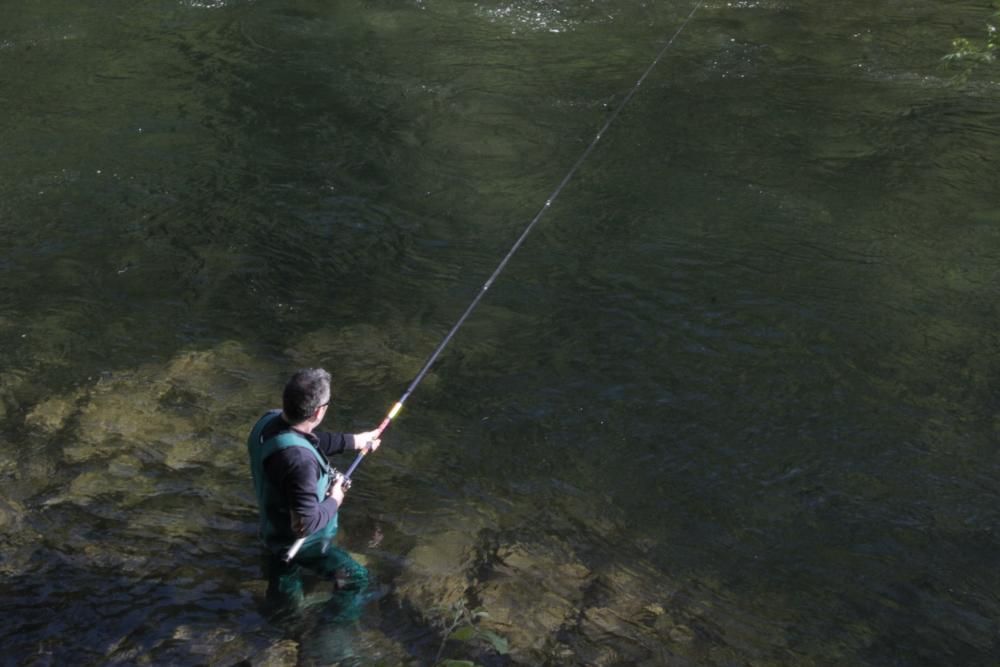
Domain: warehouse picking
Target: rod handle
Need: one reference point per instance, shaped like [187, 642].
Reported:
[292, 550]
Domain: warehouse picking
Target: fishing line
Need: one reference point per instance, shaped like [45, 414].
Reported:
[503, 263]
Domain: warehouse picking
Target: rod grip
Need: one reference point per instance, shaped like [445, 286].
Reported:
[292, 550]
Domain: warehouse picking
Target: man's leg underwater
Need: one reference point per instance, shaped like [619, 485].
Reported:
[284, 584]
[350, 579]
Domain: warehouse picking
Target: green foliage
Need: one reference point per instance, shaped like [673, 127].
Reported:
[968, 54]
[461, 624]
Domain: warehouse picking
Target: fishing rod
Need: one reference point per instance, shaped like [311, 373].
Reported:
[503, 263]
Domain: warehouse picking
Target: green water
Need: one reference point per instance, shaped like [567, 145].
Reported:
[733, 403]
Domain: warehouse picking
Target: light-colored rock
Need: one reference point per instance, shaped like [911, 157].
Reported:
[681, 634]
[436, 576]
[284, 653]
[216, 646]
[51, 415]
[11, 515]
[122, 475]
[533, 591]
[18, 539]
[176, 409]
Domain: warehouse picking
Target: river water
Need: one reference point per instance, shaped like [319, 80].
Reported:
[735, 402]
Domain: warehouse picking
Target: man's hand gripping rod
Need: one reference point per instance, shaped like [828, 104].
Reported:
[346, 477]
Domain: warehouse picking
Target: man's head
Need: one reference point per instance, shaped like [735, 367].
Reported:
[306, 391]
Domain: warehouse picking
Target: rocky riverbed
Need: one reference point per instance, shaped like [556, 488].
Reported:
[470, 585]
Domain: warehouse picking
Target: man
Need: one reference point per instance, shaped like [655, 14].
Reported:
[299, 493]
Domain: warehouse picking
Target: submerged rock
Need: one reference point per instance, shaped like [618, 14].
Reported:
[170, 410]
[437, 573]
[206, 645]
[9, 383]
[281, 654]
[363, 355]
[543, 604]
[122, 476]
[17, 538]
[531, 592]
[11, 515]
[627, 615]
[51, 415]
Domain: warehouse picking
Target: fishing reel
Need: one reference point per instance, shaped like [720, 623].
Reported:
[337, 476]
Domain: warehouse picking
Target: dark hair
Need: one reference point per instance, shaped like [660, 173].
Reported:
[307, 390]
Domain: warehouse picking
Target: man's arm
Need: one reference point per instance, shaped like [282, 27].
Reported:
[299, 473]
[337, 443]
[332, 444]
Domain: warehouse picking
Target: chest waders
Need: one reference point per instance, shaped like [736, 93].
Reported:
[269, 500]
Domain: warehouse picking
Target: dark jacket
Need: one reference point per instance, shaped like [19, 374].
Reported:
[294, 472]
